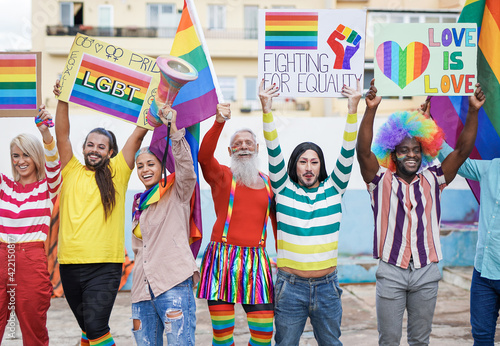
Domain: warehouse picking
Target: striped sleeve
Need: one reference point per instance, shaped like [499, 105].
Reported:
[53, 168]
[277, 169]
[343, 167]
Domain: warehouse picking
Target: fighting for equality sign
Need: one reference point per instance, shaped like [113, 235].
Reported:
[425, 59]
[311, 53]
[110, 79]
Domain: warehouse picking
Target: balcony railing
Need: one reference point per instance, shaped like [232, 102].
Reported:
[63, 30]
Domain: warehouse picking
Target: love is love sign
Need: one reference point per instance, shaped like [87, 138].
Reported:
[311, 53]
[425, 59]
[110, 79]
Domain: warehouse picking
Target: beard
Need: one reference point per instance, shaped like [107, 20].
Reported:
[94, 166]
[245, 170]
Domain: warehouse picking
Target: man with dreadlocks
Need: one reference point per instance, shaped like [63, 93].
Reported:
[405, 189]
[91, 233]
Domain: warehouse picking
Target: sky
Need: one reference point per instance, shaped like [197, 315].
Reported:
[15, 25]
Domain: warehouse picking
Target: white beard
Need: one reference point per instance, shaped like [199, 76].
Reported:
[245, 170]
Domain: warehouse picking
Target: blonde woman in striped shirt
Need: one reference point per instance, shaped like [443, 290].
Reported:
[308, 211]
[26, 203]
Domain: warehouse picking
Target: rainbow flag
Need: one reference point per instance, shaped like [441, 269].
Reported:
[18, 81]
[195, 102]
[110, 88]
[450, 112]
[291, 30]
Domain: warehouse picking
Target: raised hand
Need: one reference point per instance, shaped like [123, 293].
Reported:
[57, 88]
[476, 101]
[372, 100]
[353, 97]
[266, 96]
[223, 112]
[168, 115]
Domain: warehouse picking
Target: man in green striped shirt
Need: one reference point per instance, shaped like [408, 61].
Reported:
[308, 211]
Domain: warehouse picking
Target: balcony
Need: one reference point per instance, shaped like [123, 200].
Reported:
[225, 34]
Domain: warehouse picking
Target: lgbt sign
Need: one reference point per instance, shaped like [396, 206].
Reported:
[311, 53]
[109, 79]
[20, 77]
[425, 59]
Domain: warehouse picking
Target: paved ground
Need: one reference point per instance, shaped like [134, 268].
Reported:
[359, 327]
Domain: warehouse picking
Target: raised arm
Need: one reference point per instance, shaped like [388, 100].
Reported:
[185, 177]
[465, 142]
[212, 170]
[343, 167]
[133, 144]
[62, 128]
[367, 160]
[52, 161]
[277, 168]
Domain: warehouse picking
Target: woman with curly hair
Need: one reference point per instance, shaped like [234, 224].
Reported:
[405, 187]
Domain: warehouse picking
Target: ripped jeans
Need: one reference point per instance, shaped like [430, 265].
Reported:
[173, 312]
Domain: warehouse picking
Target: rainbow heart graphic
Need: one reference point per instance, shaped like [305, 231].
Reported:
[402, 66]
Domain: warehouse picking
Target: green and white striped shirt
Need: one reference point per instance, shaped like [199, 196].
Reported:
[309, 218]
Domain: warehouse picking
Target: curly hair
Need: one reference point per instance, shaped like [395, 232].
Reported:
[400, 125]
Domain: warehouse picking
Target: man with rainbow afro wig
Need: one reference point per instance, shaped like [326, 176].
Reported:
[405, 188]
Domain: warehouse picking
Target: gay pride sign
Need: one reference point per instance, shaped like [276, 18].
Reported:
[311, 53]
[109, 79]
[20, 77]
[425, 59]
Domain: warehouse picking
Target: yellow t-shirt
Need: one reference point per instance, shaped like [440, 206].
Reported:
[84, 235]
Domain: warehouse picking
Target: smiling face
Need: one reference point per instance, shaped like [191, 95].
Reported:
[148, 169]
[308, 166]
[243, 146]
[408, 158]
[24, 165]
[96, 150]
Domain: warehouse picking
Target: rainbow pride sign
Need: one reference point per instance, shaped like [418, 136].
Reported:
[110, 79]
[425, 59]
[20, 92]
[311, 53]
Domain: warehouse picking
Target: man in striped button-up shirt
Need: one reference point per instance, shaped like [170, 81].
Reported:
[405, 189]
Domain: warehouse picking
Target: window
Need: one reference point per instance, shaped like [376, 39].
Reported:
[216, 17]
[250, 88]
[105, 20]
[251, 20]
[228, 88]
[164, 18]
[71, 13]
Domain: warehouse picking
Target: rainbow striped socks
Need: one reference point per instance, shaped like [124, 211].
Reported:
[222, 316]
[260, 324]
[105, 340]
[84, 341]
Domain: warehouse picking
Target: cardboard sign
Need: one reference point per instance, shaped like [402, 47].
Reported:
[110, 79]
[20, 84]
[311, 53]
[425, 59]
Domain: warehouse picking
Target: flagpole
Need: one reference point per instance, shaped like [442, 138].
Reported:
[194, 19]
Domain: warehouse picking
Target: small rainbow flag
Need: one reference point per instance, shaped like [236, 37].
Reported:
[110, 88]
[196, 101]
[450, 112]
[291, 30]
[18, 81]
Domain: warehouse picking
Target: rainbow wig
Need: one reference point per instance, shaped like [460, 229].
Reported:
[400, 125]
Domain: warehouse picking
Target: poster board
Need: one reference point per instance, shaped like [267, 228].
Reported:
[311, 53]
[110, 79]
[20, 83]
[425, 59]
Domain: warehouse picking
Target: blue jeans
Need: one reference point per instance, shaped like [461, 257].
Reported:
[297, 298]
[484, 306]
[173, 312]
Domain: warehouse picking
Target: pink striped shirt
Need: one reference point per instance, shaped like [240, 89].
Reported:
[407, 217]
[25, 211]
